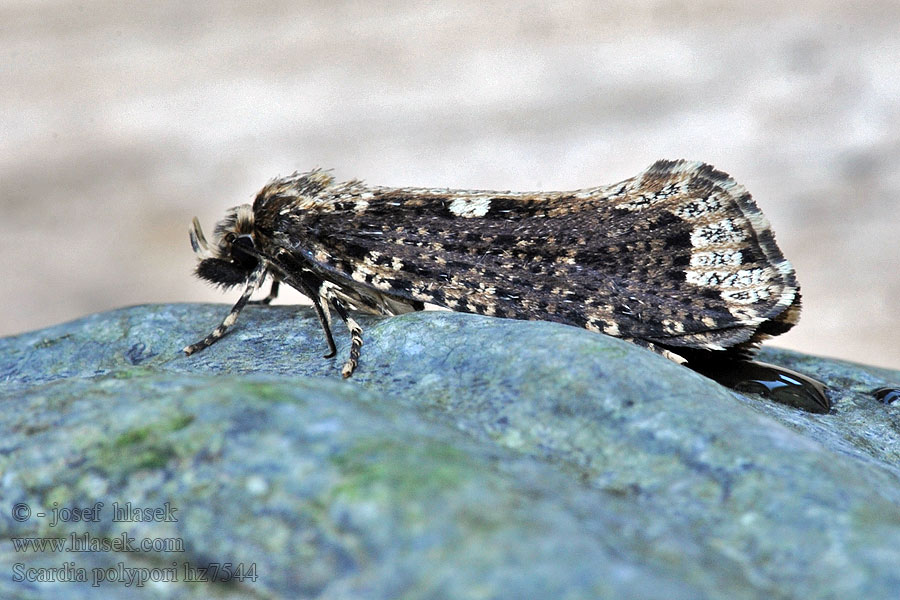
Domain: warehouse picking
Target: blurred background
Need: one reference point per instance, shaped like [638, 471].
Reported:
[120, 121]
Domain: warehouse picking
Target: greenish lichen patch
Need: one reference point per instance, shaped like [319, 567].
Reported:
[149, 446]
[133, 372]
[381, 467]
[264, 391]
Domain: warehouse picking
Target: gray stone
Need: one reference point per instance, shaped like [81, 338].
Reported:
[468, 457]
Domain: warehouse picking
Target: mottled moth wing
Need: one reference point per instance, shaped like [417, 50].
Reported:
[678, 256]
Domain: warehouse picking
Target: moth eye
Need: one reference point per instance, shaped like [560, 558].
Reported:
[230, 237]
[242, 242]
[239, 247]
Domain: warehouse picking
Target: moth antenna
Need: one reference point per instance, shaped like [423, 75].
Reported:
[253, 282]
[198, 241]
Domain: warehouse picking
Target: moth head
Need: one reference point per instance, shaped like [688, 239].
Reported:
[231, 256]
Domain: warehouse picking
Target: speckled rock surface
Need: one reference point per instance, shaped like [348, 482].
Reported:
[468, 457]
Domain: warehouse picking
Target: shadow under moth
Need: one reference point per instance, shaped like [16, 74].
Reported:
[677, 259]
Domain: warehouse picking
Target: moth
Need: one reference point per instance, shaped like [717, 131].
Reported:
[678, 259]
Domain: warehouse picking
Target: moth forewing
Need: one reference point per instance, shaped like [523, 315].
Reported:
[677, 259]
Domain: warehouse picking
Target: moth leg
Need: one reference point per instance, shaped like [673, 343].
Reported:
[329, 295]
[322, 313]
[307, 283]
[356, 340]
[256, 277]
[273, 293]
[325, 298]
